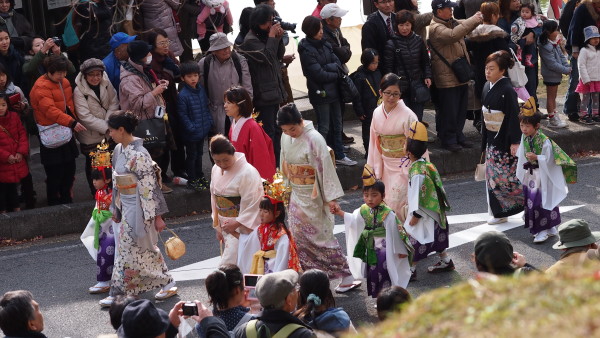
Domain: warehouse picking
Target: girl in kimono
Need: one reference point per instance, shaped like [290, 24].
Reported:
[387, 155]
[246, 135]
[235, 193]
[544, 169]
[307, 166]
[375, 236]
[426, 221]
[501, 138]
[137, 205]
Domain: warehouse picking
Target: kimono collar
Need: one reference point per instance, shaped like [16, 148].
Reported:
[237, 127]
[240, 160]
[493, 84]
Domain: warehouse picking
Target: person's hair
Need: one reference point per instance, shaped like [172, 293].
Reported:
[219, 144]
[16, 311]
[502, 58]
[388, 80]
[404, 5]
[127, 120]
[29, 42]
[416, 147]
[244, 21]
[4, 96]
[260, 15]
[378, 186]
[5, 30]
[97, 174]
[240, 96]
[222, 283]
[55, 63]
[530, 6]
[288, 114]
[279, 221]
[116, 309]
[405, 16]
[151, 35]
[390, 299]
[311, 26]
[505, 9]
[189, 67]
[503, 270]
[533, 119]
[549, 27]
[489, 9]
[367, 56]
[8, 78]
[313, 282]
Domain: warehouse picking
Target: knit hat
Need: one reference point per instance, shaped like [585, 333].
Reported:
[272, 289]
[138, 50]
[119, 39]
[142, 319]
[590, 32]
[575, 232]
[91, 65]
[493, 250]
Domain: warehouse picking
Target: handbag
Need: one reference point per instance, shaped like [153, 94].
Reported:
[174, 246]
[56, 135]
[480, 170]
[348, 90]
[419, 93]
[516, 73]
[461, 67]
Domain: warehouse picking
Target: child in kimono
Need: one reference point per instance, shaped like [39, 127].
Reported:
[426, 221]
[375, 236]
[544, 169]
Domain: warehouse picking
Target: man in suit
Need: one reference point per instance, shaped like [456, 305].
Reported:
[380, 26]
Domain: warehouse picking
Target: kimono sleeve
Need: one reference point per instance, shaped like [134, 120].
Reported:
[251, 192]
[141, 166]
[521, 160]
[552, 180]
[354, 225]
[399, 269]
[374, 158]
[424, 230]
[282, 256]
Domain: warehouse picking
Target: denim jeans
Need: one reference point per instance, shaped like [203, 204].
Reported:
[330, 113]
[193, 160]
[572, 98]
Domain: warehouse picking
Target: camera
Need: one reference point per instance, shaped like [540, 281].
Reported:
[285, 25]
[250, 282]
[56, 40]
[190, 309]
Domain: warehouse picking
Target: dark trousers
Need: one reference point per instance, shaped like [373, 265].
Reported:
[193, 160]
[532, 82]
[59, 182]
[268, 115]
[329, 114]
[9, 199]
[572, 98]
[88, 173]
[451, 114]
[178, 164]
[366, 132]
[417, 108]
[28, 192]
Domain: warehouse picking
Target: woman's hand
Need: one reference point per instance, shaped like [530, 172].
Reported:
[175, 312]
[48, 44]
[159, 224]
[428, 82]
[229, 225]
[79, 127]
[159, 89]
[18, 157]
[334, 207]
[11, 159]
[219, 236]
[531, 156]
[513, 149]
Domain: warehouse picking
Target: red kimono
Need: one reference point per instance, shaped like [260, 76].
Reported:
[249, 138]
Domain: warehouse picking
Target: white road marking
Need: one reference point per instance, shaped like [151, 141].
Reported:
[200, 270]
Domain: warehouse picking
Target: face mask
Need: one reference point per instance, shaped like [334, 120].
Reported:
[149, 59]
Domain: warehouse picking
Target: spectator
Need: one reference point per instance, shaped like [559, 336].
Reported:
[317, 305]
[195, 122]
[142, 319]
[320, 4]
[554, 65]
[571, 107]
[15, 23]
[322, 69]
[112, 62]
[221, 69]
[589, 84]
[20, 315]
[244, 23]
[494, 254]
[160, 14]
[575, 239]
[406, 56]
[92, 21]
[116, 309]
[421, 20]
[37, 50]
[166, 67]
[390, 300]
[10, 58]
[188, 12]
[379, 27]
[95, 100]
[263, 49]
[528, 22]
[278, 294]
[446, 36]
[52, 102]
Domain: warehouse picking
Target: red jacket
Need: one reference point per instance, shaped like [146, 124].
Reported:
[11, 145]
[48, 102]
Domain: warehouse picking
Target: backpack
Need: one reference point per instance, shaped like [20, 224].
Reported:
[286, 331]
[69, 36]
[236, 63]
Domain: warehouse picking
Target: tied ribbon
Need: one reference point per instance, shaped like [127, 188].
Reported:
[99, 217]
[404, 162]
[258, 261]
[365, 248]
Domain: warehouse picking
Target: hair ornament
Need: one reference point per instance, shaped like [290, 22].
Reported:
[277, 191]
[314, 298]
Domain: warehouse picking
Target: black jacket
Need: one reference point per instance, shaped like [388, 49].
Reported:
[368, 96]
[375, 34]
[481, 42]
[22, 26]
[92, 24]
[275, 320]
[341, 47]
[321, 68]
[407, 54]
[566, 15]
[13, 63]
[584, 16]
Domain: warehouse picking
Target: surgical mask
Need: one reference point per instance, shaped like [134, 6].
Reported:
[149, 60]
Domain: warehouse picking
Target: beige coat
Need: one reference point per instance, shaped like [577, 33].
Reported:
[93, 112]
[448, 39]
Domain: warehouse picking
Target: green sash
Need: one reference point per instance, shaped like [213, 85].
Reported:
[99, 217]
[535, 144]
[431, 195]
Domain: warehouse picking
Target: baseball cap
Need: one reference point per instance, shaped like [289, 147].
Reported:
[330, 10]
[272, 289]
[439, 4]
[120, 38]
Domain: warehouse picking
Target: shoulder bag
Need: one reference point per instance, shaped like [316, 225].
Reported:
[461, 67]
[348, 91]
[516, 73]
[56, 135]
[419, 93]
[480, 170]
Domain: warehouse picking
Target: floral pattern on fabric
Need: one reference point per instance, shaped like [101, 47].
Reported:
[505, 191]
[536, 217]
[536, 143]
[432, 195]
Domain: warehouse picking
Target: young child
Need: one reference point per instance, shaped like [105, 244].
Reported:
[98, 237]
[374, 234]
[367, 78]
[544, 169]
[527, 23]
[588, 64]
[426, 221]
[196, 121]
[554, 65]
[14, 147]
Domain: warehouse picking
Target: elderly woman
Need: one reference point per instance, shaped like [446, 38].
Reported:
[15, 23]
[95, 100]
[52, 102]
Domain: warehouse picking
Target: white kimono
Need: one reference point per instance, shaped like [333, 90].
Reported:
[423, 231]
[282, 249]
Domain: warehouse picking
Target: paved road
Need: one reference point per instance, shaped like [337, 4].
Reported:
[58, 271]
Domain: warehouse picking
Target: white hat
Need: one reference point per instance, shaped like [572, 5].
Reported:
[330, 10]
[218, 41]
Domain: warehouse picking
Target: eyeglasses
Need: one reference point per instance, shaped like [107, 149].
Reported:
[391, 94]
[164, 43]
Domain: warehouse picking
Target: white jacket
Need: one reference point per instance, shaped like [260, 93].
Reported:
[588, 64]
[93, 112]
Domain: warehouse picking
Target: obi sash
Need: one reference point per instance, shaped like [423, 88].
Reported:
[126, 184]
[300, 174]
[493, 119]
[228, 206]
[258, 261]
[393, 146]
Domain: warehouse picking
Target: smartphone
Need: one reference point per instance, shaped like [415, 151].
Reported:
[250, 282]
[14, 99]
[190, 309]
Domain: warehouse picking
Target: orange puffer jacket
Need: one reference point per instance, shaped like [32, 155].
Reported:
[48, 102]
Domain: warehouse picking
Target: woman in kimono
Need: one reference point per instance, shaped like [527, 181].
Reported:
[501, 138]
[308, 167]
[387, 155]
[235, 194]
[246, 135]
[137, 205]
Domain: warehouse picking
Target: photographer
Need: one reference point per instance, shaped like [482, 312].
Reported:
[20, 315]
[37, 49]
